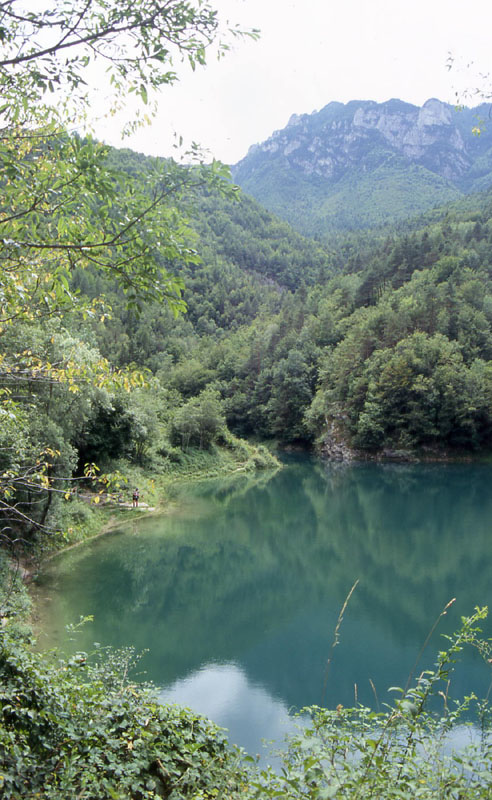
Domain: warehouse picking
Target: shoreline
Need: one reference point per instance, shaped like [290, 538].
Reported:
[166, 482]
[343, 453]
[117, 518]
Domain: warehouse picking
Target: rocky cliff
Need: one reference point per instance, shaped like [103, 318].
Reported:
[363, 163]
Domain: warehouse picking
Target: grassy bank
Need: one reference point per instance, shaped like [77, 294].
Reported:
[95, 510]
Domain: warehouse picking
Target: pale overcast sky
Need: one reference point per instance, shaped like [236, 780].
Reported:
[310, 53]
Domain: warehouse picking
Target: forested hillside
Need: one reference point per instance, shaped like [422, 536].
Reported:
[136, 344]
[70, 216]
[382, 342]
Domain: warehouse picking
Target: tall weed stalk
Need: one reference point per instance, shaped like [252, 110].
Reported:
[402, 753]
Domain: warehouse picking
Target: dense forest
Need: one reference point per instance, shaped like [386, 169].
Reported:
[377, 343]
[380, 341]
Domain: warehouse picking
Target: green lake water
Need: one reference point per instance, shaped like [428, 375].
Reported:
[235, 596]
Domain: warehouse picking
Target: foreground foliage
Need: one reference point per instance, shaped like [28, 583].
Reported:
[406, 752]
[76, 730]
[66, 208]
[84, 728]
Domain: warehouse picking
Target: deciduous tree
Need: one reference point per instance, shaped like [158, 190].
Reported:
[63, 205]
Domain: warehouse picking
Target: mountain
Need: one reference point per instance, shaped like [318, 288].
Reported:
[361, 164]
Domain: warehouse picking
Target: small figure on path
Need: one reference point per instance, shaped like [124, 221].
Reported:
[135, 496]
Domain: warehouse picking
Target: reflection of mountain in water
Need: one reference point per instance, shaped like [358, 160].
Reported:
[257, 573]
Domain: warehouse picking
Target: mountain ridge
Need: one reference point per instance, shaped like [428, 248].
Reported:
[364, 163]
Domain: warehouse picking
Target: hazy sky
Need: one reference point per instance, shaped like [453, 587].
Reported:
[312, 52]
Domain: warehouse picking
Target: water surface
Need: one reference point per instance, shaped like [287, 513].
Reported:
[236, 596]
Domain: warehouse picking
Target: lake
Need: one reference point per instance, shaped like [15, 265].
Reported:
[235, 595]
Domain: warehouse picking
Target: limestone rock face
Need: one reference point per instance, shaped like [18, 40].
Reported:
[338, 144]
[391, 160]
[335, 448]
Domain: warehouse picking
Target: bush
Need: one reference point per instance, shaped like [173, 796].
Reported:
[172, 454]
[402, 754]
[79, 728]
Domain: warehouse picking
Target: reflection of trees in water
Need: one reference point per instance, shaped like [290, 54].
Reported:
[272, 561]
[225, 490]
[415, 535]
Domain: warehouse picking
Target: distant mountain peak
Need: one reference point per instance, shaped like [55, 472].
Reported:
[314, 167]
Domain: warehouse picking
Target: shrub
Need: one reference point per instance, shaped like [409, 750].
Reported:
[402, 754]
[80, 728]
